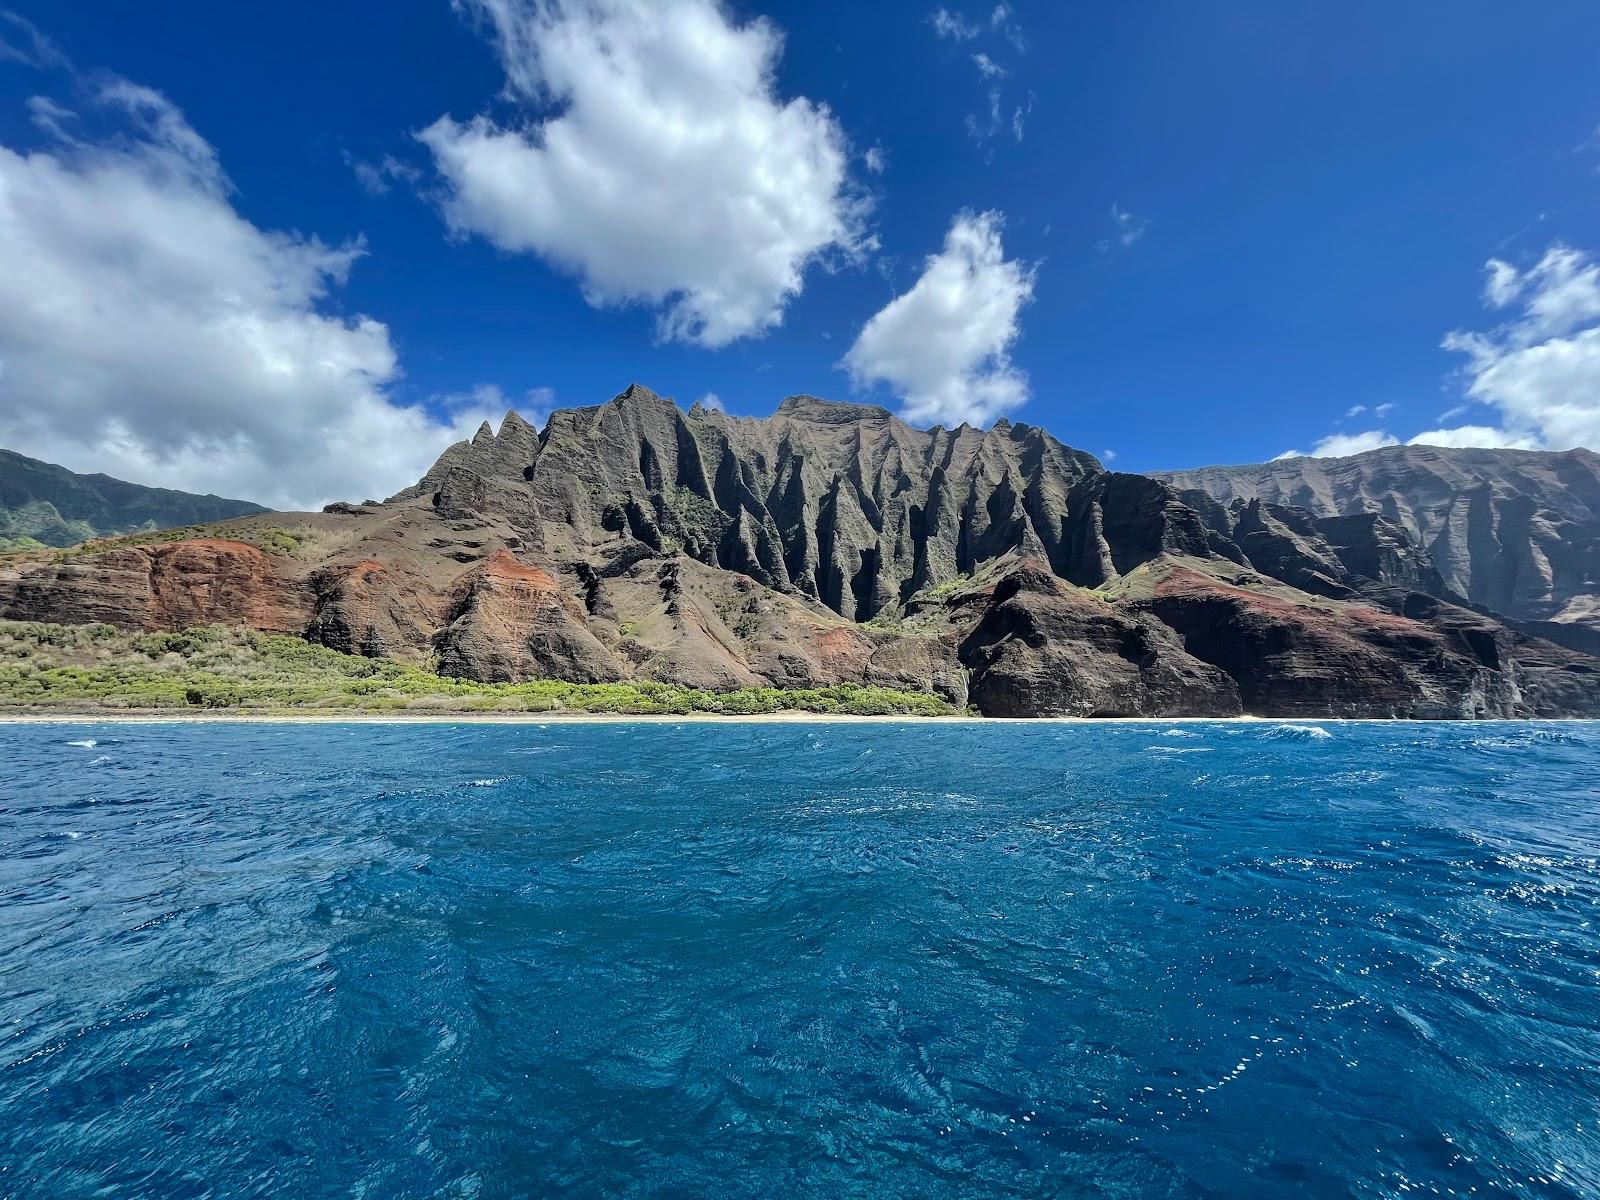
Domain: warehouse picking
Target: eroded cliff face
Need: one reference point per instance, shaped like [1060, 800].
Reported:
[1515, 531]
[833, 543]
[205, 581]
[841, 503]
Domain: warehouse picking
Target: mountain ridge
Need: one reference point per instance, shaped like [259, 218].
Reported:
[834, 543]
[1516, 531]
[43, 504]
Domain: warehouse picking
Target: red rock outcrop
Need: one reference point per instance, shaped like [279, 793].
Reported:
[512, 622]
[174, 586]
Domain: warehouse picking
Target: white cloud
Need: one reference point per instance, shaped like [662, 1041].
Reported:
[984, 129]
[981, 128]
[944, 346]
[1341, 445]
[712, 401]
[377, 178]
[1540, 370]
[988, 68]
[1126, 229]
[1383, 410]
[670, 173]
[1561, 292]
[1502, 284]
[1108, 456]
[149, 331]
[953, 26]
[1017, 114]
[1355, 410]
[875, 160]
[21, 42]
[1338, 445]
[1476, 435]
[489, 402]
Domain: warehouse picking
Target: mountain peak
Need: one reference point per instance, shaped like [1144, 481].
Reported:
[639, 394]
[830, 412]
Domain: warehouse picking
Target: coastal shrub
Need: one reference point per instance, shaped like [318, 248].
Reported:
[277, 541]
[77, 667]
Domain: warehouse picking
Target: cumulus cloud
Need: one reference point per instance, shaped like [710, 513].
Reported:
[944, 346]
[1541, 369]
[149, 331]
[1341, 445]
[1501, 284]
[1476, 435]
[666, 170]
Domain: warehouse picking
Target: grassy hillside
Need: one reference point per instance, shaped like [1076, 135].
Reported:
[85, 668]
[45, 505]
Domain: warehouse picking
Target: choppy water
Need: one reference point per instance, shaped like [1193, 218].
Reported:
[800, 960]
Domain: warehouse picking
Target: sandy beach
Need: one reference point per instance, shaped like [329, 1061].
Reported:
[788, 718]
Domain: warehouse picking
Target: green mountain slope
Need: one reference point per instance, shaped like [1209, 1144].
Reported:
[45, 505]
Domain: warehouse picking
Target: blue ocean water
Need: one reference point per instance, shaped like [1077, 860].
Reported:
[771, 960]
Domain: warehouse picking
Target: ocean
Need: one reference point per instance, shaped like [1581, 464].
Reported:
[1227, 959]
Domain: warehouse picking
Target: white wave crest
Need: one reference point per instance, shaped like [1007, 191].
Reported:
[1299, 732]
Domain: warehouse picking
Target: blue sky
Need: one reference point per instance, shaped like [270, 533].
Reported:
[1183, 233]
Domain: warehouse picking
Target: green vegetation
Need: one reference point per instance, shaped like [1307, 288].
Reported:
[278, 541]
[47, 505]
[697, 516]
[943, 591]
[272, 538]
[35, 525]
[80, 668]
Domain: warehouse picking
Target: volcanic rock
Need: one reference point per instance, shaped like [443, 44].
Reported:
[834, 543]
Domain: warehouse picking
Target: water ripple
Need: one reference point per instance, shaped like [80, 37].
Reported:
[1246, 959]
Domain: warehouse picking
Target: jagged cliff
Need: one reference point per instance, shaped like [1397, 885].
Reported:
[834, 543]
[1515, 531]
[842, 503]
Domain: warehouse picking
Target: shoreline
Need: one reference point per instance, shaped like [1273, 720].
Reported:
[787, 718]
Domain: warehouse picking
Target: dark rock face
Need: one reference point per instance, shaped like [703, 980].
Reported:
[1515, 531]
[1298, 660]
[1043, 648]
[844, 504]
[833, 543]
[362, 608]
